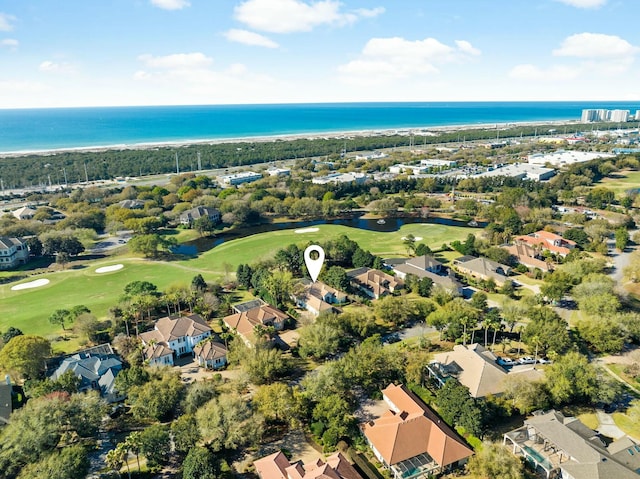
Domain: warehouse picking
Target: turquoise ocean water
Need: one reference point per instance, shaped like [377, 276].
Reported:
[60, 128]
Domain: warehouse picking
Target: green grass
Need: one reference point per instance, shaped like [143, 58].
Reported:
[590, 420]
[622, 181]
[30, 309]
[628, 425]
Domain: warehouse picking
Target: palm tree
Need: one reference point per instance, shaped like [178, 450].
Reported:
[116, 457]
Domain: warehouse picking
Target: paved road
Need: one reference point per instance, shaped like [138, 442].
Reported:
[620, 260]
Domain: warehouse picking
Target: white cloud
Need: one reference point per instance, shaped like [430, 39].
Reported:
[288, 16]
[584, 3]
[177, 60]
[595, 45]
[552, 74]
[170, 4]
[9, 43]
[386, 58]
[370, 12]
[466, 47]
[249, 38]
[55, 67]
[6, 22]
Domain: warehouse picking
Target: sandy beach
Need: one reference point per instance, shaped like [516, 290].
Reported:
[408, 131]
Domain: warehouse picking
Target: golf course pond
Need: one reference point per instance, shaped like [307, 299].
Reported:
[200, 245]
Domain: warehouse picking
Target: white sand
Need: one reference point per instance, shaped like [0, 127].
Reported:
[307, 230]
[109, 269]
[417, 238]
[32, 284]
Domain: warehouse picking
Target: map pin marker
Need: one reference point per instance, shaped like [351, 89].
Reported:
[314, 265]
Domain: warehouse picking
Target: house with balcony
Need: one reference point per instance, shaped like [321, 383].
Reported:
[563, 447]
[13, 252]
[547, 241]
[189, 216]
[411, 440]
[173, 337]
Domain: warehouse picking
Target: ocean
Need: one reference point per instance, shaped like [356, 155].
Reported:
[65, 128]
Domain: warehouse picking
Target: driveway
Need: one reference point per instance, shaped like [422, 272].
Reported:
[607, 426]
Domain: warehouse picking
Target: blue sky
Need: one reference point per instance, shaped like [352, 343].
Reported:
[171, 52]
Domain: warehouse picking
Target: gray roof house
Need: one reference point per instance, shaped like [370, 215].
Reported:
[482, 268]
[13, 252]
[189, 216]
[427, 267]
[562, 446]
[96, 368]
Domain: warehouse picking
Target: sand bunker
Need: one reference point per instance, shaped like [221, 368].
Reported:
[417, 238]
[109, 269]
[32, 284]
[307, 230]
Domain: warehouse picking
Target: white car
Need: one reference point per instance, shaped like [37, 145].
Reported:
[526, 360]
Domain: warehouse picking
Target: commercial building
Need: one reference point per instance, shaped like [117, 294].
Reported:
[239, 178]
[565, 158]
[336, 178]
[279, 172]
[520, 171]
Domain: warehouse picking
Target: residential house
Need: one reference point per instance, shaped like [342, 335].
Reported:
[189, 216]
[482, 269]
[251, 314]
[13, 252]
[96, 368]
[529, 256]
[277, 466]
[428, 267]
[374, 283]
[210, 354]
[173, 337]
[476, 368]
[318, 297]
[131, 204]
[6, 405]
[560, 446]
[411, 440]
[24, 213]
[547, 241]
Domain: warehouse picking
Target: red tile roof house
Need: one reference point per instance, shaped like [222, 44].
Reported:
[251, 314]
[529, 256]
[277, 466]
[173, 337]
[547, 241]
[411, 440]
[374, 283]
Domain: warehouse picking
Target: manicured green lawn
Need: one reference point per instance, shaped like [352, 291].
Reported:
[30, 309]
[627, 424]
[623, 181]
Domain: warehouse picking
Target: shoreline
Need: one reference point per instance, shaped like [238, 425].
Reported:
[340, 134]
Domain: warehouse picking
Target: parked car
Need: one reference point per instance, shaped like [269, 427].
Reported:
[526, 360]
[544, 361]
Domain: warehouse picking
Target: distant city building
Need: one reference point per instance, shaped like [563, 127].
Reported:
[617, 116]
[279, 172]
[336, 178]
[565, 158]
[431, 163]
[371, 155]
[519, 170]
[239, 178]
[13, 252]
[592, 115]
